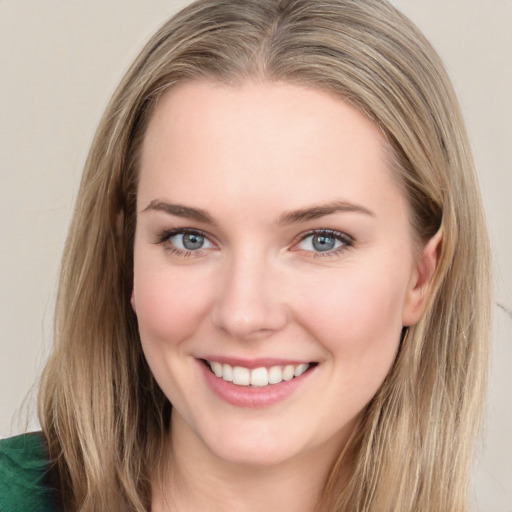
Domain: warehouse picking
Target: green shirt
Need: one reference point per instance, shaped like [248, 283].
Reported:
[23, 471]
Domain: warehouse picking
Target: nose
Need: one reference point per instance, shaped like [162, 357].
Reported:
[251, 301]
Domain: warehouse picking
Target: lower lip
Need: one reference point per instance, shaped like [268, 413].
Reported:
[252, 397]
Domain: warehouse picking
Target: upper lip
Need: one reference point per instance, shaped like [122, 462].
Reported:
[255, 363]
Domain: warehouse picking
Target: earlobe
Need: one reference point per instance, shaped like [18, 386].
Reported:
[421, 280]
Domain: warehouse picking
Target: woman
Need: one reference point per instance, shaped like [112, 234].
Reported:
[278, 232]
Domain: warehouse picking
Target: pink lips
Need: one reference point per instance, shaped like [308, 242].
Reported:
[252, 397]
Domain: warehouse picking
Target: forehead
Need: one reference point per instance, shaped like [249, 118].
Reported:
[266, 140]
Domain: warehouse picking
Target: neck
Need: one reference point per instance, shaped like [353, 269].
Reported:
[195, 479]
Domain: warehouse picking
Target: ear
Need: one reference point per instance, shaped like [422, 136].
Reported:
[421, 279]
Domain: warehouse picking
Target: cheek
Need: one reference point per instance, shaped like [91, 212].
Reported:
[357, 320]
[170, 307]
[169, 304]
[356, 313]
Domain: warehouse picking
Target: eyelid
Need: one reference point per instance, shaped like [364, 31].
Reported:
[164, 239]
[332, 232]
[169, 233]
[347, 241]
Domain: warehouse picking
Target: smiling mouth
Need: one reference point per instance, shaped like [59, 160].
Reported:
[257, 377]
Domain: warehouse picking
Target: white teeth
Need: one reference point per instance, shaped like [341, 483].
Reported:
[217, 368]
[300, 369]
[227, 372]
[288, 372]
[258, 377]
[241, 376]
[275, 375]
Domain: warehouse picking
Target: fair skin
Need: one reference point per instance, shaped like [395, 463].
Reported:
[270, 234]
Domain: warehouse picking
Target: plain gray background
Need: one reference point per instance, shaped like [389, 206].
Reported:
[60, 61]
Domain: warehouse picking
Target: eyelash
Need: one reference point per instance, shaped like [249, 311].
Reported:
[346, 241]
[167, 235]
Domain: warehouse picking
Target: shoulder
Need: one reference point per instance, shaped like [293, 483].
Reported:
[23, 467]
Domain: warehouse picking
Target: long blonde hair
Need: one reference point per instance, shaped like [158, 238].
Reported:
[105, 418]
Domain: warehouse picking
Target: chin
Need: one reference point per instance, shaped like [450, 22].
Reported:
[255, 455]
[244, 441]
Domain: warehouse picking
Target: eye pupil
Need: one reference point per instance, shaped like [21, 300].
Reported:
[192, 241]
[323, 242]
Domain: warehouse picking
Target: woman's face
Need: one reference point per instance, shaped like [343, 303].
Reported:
[274, 267]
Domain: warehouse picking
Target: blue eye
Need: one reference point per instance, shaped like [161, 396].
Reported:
[188, 241]
[325, 241]
[185, 241]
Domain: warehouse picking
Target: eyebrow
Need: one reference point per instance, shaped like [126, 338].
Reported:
[317, 211]
[288, 217]
[180, 210]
